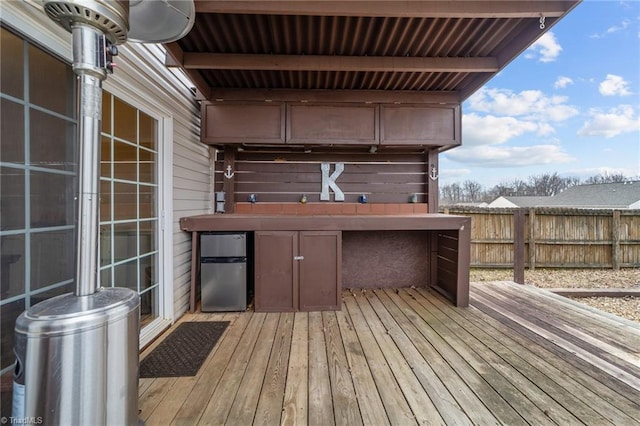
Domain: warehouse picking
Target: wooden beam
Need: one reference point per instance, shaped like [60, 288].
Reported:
[174, 57]
[432, 183]
[238, 61]
[229, 183]
[418, 9]
[372, 96]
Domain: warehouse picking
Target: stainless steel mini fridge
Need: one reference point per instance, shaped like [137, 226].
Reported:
[223, 271]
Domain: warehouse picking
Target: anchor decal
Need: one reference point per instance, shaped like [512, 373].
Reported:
[229, 173]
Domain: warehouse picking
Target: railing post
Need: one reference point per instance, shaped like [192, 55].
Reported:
[518, 246]
[615, 240]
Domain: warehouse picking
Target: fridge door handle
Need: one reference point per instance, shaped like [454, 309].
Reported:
[298, 257]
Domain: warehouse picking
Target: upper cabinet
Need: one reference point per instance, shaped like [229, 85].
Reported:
[415, 124]
[344, 124]
[330, 124]
[243, 122]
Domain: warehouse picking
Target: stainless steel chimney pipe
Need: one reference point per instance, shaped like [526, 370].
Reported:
[88, 48]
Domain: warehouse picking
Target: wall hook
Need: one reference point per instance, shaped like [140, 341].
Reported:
[229, 173]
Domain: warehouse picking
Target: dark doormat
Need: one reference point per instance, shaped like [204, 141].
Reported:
[183, 351]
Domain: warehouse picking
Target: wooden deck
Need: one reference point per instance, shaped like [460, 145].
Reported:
[517, 355]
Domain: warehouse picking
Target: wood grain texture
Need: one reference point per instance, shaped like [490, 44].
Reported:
[405, 356]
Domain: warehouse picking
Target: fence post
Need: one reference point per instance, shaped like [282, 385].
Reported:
[615, 240]
[532, 239]
[518, 246]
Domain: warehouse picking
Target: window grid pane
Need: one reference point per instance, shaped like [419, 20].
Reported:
[37, 174]
[129, 251]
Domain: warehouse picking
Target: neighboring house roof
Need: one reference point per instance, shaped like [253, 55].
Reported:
[519, 201]
[624, 195]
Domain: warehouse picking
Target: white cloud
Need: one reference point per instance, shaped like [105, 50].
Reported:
[529, 104]
[492, 130]
[618, 120]
[613, 29]
[498, 115]
[614, 85]
[501, 156]
[562, 82]
[453, 174]
[546, 47]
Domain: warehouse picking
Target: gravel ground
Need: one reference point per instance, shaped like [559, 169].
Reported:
[626, 307]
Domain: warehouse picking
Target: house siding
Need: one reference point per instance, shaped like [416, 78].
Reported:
[141, 78]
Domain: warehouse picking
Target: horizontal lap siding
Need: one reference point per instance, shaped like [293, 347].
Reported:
[282, 177]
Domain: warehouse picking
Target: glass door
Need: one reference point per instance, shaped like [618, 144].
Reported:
[129, 218]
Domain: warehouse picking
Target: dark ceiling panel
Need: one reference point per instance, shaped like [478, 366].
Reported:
[501, 36]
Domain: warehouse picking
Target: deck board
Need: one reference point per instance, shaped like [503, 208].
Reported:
[345, 404]
[295, 405]
[269, 409]
[566, 392]
[587, 342]
[320, 401]
[571, 344]
[246, 401]
[582, 386]
[570, 366]
[393, 399]
[517, 355]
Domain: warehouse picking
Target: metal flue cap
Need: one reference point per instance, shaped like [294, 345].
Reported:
[110, 17]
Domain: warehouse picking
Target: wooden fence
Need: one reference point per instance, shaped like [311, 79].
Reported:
[553, 237]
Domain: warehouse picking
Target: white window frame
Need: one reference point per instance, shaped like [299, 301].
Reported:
[165, 199]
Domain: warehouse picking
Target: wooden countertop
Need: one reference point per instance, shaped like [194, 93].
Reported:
[244, 222]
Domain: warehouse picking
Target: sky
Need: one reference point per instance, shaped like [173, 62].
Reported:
[568, 104]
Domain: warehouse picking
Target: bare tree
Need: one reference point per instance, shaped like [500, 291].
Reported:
[514, 188]
[549, 184]
[607, 178]
[451, 193]
[472, 191]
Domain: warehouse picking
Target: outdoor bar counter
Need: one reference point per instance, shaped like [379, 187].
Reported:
[371, 250]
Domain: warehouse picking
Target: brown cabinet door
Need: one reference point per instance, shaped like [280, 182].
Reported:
[320, 285]
[276, 271]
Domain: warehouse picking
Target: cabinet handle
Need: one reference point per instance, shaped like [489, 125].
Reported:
[298, 257]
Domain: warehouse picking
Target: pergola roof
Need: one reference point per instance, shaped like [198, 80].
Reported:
[356, 49]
